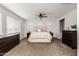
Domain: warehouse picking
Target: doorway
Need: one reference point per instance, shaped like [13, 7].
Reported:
[61, 26]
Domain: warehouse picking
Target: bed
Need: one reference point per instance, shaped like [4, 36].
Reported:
[40, 37]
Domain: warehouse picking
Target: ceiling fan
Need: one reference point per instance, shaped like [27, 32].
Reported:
[42, 15]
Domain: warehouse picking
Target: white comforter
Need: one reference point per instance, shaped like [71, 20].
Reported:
[40, 37]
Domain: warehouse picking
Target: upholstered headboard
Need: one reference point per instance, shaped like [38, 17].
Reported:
[40, 29]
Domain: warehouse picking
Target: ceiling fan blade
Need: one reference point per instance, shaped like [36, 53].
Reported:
[45, 16]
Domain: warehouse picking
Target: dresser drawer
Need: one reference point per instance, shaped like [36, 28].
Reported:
[69, 43]
[8, 42]
[70, 38]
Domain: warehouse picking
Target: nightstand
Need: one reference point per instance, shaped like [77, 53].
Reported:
[51, 34]
[28, 34]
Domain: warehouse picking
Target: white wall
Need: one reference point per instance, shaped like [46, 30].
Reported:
[70, 19]
[52, 24]
[0, 23]
[49, 23]
[78, 29]
[5, 12]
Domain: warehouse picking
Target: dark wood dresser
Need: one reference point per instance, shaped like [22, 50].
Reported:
[8, 43]
[70, 38]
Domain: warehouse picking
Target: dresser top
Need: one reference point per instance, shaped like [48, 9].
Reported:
[70, 30]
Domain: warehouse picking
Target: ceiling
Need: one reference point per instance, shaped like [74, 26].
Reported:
[30, 10]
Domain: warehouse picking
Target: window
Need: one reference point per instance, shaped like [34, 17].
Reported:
[13, 25]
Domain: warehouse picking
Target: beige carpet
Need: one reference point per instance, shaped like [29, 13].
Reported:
[56, 48]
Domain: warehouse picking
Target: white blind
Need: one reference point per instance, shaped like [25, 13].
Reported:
[13, 25]
[0, 23]
[17, 26]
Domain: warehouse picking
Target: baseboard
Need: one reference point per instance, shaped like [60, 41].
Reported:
[23, 38]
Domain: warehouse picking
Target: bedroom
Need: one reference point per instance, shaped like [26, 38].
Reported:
[39, 26]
